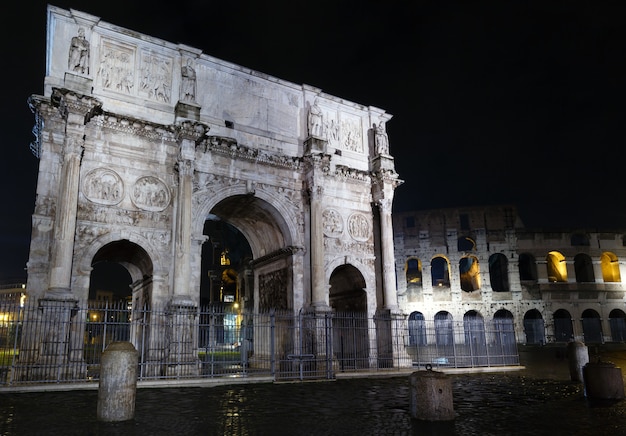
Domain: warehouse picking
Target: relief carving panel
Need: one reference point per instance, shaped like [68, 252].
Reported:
[150, 193]
[272, 290]
[359, 227]
[117, 67]
[352, 134]
[103, 186]
[333, 223]
[155, 77]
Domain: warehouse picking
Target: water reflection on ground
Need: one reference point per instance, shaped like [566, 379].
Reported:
[485, 404]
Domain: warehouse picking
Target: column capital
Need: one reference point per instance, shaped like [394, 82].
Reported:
[74, 107]
[185, 167]
[385, 205]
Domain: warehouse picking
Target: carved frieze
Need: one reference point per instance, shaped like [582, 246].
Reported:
[363, 251]
[212, 183]
[86, 233]
[157, 238]
[137, 127]
[230, 147]
[114, 215]
[348, 173]
[103, 186]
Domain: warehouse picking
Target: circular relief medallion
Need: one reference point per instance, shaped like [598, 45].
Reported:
[150, 193]
[333, 223]
[103, 186]
[359, 227]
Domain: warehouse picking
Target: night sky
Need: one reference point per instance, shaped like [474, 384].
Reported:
[499, 102]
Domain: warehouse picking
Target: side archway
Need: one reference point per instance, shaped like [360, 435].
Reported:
[534, 327]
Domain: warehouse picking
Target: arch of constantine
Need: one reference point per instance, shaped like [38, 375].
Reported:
[142, 141]
[206, 182]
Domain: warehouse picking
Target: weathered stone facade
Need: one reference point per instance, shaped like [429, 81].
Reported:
[140, 141]
[468, 263]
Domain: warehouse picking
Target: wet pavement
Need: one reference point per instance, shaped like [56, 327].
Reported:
[540, 399]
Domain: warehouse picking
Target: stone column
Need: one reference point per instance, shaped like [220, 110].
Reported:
[65, 221]
[189, 134]
[77, 110]
[182, 259]
[320, 294]
[597, 271]
[180, 355]
[427, 279]
[388, 256]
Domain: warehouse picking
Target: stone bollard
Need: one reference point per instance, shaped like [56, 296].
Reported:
[118, 382]
[431, 396]
[578, 357]
[603, 381]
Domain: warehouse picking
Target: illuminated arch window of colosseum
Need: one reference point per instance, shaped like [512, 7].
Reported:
[557, 267]
[469, 270]
[610, 267]
[413, 270]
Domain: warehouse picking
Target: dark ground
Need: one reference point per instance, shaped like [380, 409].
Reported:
[551, 361]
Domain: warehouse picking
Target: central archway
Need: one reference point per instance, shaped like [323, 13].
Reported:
[260, 253]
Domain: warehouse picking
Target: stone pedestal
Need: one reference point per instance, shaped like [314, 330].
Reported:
[578, 357]
[118, 382]
[603, 381]
[431, 396]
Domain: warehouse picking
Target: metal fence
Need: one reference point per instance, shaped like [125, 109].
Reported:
[59, 341]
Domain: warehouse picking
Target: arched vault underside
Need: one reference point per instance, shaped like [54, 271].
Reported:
[261, 224]
[277, 264]
[257, 220]
[131, 256]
